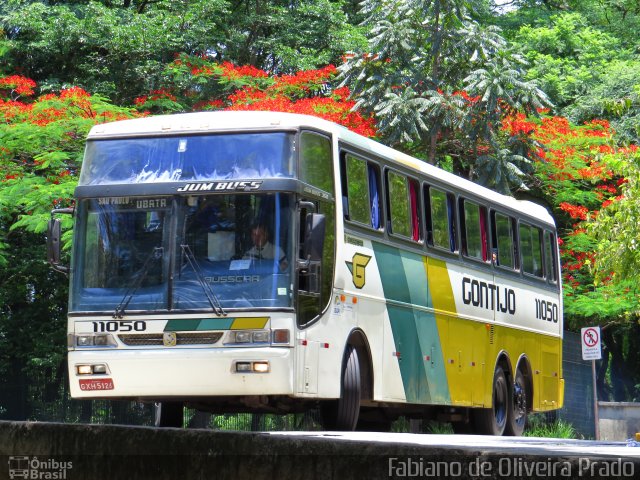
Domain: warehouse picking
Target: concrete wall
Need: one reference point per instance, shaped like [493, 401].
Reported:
[69, 452]
[618, 420]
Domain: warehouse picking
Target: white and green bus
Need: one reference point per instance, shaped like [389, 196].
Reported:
[272, 262]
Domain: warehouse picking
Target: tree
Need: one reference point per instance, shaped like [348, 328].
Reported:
[578, 177]
[41, 144]
[120, 49]
[567, 56]
[439, 84]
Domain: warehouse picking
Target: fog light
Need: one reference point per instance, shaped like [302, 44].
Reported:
[281, 336]
[261, 367]
[84, 369]
[243, 366]
[84, 340]
[99, 369]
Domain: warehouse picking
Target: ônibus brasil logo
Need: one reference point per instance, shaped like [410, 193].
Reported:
[37, 468]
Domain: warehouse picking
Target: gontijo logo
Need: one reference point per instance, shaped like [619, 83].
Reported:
[357, 267]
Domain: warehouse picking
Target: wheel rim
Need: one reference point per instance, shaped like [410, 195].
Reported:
[519, 403]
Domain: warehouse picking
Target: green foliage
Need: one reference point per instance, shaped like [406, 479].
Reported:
[616, 231]
[616, 97]
[121, 51]
[42, 145]
[568, 57]
[537, 427]
[440, 83]
[439, 428]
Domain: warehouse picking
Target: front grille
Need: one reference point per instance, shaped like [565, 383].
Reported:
[155, 339]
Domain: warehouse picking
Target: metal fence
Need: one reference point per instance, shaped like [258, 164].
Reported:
[578, 387]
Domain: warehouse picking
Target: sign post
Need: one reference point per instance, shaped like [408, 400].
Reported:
[592, 350]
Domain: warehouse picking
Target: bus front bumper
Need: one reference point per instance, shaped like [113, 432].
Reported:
[181, 372]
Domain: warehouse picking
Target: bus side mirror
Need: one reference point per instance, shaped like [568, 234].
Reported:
[313, 237]
[309, 266]
[54, 241]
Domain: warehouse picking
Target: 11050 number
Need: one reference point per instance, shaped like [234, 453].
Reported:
[547, 311]
[120, 326]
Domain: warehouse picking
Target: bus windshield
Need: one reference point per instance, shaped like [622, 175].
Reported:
[183, 253]
[194, 157]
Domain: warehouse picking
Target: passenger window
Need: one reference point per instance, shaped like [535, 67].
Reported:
[531, 249]
[440, 220]
[475, 230]
[550, 260]
[374, 195]
[358, 190]
[504, 235]
[399, 204]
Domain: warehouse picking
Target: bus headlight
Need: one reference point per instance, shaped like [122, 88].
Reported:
[84, 340]
[95, 340]
[242, 337]
[261, 337]
[250, 336]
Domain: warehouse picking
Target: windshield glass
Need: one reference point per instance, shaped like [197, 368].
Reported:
[231, 251]
[116, 250]
[194, 157]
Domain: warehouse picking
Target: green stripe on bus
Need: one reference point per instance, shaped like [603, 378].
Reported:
[429, 338]
[415, 273]
[394, 279]
[415, 332]
[194, 324]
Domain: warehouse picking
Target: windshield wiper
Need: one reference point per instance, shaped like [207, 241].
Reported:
[206, 287]
[156, 254]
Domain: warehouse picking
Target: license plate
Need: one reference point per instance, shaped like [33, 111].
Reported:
[91, 385]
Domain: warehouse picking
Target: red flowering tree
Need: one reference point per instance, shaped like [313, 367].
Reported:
[196, 83]
[574, 176]
[590, 183]
[41, 145]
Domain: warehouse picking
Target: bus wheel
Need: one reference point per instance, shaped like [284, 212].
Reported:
[518, 409]
[342, 414]
[169, 414]
[493, 421]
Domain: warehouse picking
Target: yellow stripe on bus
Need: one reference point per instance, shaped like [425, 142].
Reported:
[249, 323]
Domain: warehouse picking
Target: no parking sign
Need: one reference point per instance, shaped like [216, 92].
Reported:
[591, 345]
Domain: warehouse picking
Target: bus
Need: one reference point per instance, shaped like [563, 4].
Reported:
[280, 263]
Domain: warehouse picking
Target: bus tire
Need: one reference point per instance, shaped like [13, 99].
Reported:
[517, 417]
[342, 414]
[169, 414]
[493, 421]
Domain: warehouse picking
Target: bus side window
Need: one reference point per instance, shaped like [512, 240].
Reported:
[361, 191]
[374, 195]
[357, 190]
[550, 261]
[531, 249]
[441, 229]
[503, 243]
[473, 219]
[416, 234]
[399, 204]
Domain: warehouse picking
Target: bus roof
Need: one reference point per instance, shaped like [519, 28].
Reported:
[201, 122]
